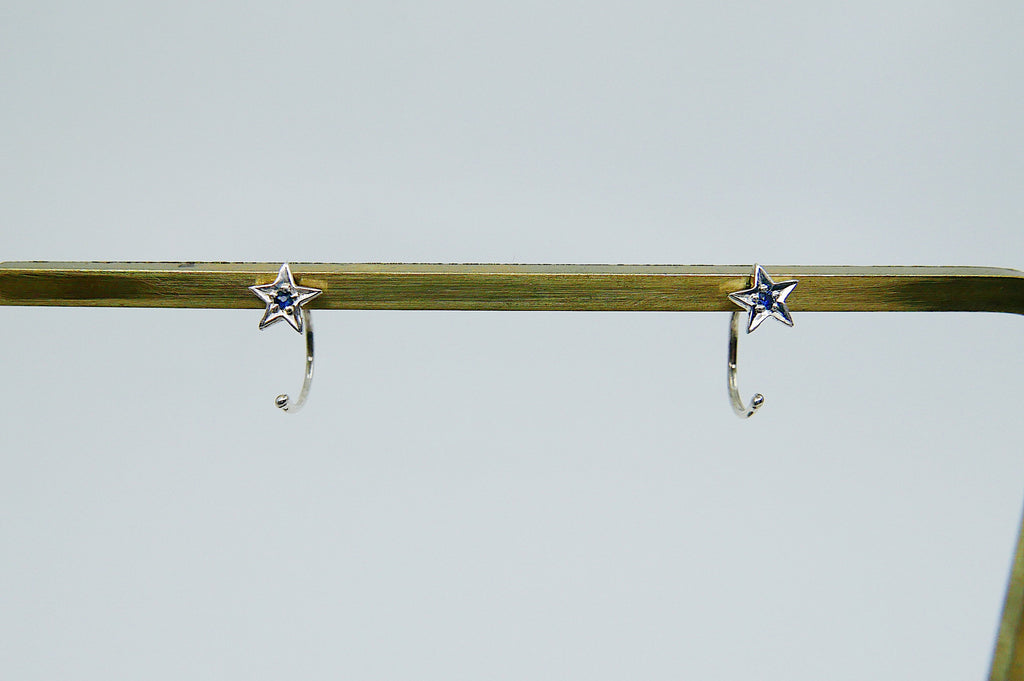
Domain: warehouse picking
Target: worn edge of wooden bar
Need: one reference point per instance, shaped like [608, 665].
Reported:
[430, 286]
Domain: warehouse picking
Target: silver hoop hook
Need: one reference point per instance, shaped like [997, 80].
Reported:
[757, 401]
[284, 299]
[283, 401]
[762, 300]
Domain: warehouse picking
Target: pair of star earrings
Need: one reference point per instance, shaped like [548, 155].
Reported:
[763, 300]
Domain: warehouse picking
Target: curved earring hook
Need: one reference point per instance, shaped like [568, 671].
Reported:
[284, 300]
[762, 300]
[757, 401]
[283, 401]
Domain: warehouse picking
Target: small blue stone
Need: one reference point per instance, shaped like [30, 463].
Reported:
[283, 299]
[765, 298]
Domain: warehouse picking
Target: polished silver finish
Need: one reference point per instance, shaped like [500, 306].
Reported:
[765, 299]
[762, 300]
[283, 401]
[284, 299]
[757, 400]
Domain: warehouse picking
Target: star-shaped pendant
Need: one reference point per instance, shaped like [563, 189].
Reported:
[765, 299]
[284, 299]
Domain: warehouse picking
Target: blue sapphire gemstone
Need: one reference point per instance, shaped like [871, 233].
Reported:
[283, 299]
[765, 298]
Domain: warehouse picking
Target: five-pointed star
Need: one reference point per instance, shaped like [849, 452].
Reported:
[284, 299]
[765, 299]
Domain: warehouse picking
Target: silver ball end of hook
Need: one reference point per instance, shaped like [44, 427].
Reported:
[282, 401]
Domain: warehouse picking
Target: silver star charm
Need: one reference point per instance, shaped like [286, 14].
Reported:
[284, 299]
[765, 299]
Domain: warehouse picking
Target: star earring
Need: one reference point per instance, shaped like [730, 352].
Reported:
[764, 299]
[284, 299]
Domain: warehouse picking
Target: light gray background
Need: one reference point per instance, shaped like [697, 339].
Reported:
[497, 495]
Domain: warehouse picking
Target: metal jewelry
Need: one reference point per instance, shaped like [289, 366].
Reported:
[762, 300]
[284, 299]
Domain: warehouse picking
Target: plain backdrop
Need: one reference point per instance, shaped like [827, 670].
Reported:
[508, 495]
